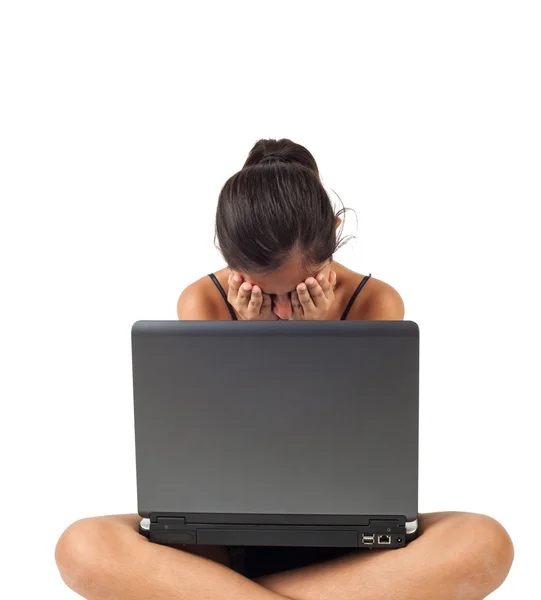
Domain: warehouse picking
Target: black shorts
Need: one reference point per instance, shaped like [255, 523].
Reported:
[257, 561]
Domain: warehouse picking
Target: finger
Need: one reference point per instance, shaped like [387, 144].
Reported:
[296, 306]
[266, 309]
[244, 295]
[256, 299]
[267, 303]
[326, 285]
[316, 292]
[305, 298]
[234, 281]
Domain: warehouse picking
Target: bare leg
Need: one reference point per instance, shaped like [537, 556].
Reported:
[458, 556]
[105, 558]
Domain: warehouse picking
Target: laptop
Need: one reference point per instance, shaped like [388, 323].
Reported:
[277, 433]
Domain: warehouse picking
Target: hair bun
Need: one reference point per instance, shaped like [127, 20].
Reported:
[272, 156]
[271, 151]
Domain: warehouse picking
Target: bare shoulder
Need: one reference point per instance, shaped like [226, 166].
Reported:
[379, 301]
[197, 302]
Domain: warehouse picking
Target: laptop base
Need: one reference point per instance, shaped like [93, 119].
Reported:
[381, 532]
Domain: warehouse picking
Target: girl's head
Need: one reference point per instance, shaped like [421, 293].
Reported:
[275, 224]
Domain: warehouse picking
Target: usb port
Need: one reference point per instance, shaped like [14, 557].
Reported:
[368, 539]
[384, 539]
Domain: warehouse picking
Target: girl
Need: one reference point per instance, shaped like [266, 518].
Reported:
[276, 229]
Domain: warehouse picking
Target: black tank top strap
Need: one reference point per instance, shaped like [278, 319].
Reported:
[354, 295]
[224, 296]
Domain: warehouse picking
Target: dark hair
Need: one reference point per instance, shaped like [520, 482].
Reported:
[273, 207]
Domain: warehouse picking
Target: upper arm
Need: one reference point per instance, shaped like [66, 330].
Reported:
[384, 304]
[194, 305]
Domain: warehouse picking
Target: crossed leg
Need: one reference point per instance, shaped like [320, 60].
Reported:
[457, 556]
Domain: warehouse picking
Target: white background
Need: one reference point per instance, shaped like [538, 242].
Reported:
[119, 123]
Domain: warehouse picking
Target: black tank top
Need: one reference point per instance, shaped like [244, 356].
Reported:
[342, 318]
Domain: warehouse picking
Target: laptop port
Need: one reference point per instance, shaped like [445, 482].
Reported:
[384, 539]
[368, 539]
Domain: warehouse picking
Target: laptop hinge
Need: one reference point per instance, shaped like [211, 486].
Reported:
[384, 525]
[170, 523]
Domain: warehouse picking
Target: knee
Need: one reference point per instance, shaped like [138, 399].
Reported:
[81, 553]
[483, 555]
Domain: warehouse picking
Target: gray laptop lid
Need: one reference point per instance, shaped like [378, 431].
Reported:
[291, 417]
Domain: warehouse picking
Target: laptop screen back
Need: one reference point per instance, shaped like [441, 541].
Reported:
[276, 418]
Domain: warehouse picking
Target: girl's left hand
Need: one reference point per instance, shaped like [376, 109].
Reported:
[313, 299]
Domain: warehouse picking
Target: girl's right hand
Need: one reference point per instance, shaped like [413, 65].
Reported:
[249, 302]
